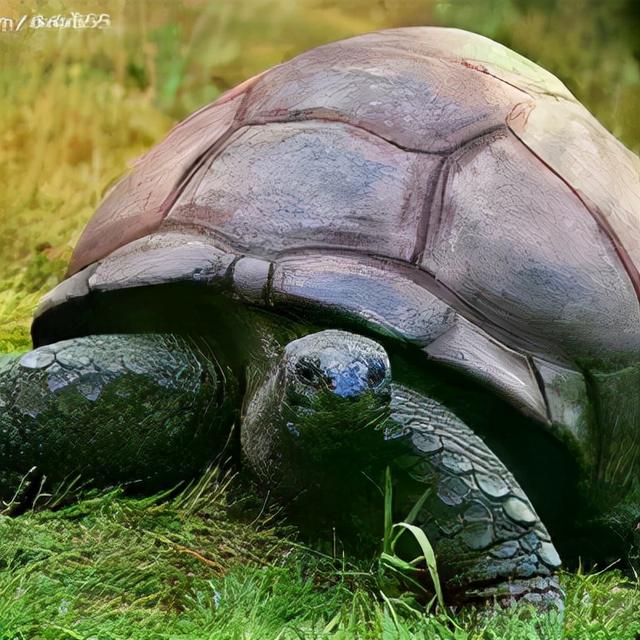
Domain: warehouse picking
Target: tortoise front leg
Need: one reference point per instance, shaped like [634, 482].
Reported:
[328, 421]
[146, 409]
[488, 538]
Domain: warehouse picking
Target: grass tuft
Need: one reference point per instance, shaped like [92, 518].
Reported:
[201, 564]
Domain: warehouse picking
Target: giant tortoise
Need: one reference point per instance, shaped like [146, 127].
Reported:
[410, 254]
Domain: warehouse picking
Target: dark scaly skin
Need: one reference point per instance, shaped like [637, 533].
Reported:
[321, 422]
[144, 409]
[325, 453]
[490, 541]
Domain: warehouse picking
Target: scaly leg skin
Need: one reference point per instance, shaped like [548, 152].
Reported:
[488, 538]
[328, 414]
[145, 409]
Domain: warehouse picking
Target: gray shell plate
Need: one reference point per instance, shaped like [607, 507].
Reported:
[388, 297]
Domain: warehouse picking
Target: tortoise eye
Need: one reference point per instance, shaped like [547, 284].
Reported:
[307, 370]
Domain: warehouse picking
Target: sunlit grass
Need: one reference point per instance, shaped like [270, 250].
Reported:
[205, 564]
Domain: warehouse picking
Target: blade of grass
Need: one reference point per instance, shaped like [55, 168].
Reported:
[429, 557]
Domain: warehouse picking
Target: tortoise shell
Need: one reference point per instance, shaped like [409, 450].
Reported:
[428, 181]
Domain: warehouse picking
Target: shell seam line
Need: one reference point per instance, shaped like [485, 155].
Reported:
[338, 120]
[428, 225]
[601, 222]
[541, 386]
[479, 67]
[208, 153]
[221, 143]
[425, 220]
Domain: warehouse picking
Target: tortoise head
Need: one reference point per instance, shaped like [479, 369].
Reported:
[335, 362]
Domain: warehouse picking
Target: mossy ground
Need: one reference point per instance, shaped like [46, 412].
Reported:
[77, 108]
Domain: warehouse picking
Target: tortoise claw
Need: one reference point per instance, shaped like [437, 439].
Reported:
[543, 593]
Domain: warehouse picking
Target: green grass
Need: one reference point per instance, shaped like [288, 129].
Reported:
[77, 109]
[206, 564]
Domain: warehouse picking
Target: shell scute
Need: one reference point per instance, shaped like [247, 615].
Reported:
[416, 101]
[289, 186]
[521, 249]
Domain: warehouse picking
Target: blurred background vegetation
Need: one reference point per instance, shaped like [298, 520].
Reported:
[78, 106]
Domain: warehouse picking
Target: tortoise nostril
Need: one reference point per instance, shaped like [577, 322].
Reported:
[358, 378]
[347, 384]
